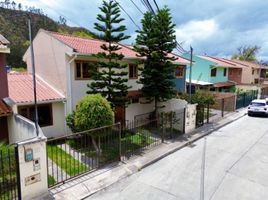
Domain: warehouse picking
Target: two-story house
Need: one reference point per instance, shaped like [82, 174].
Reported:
[63, 62]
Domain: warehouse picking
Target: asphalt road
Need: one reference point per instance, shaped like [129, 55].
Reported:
[236, 167]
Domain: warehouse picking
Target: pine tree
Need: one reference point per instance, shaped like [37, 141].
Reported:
[155, 42]
[109, 76]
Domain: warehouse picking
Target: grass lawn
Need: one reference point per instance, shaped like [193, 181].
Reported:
[18, 69]
[51, 180]
[65, 161]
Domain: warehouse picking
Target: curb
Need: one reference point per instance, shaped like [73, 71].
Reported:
[189, 142]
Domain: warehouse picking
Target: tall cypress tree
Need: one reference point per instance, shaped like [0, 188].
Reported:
[109, 76]
[154, 42]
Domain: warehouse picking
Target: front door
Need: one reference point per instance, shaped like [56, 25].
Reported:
[120, 114]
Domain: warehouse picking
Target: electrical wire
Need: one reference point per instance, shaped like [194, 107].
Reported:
[137, 6]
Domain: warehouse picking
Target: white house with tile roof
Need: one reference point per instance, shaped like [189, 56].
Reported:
[63, 62]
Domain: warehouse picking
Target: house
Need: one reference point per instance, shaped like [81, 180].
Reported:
[50, 103]
[63, 61]
[209, 73]
[5, 110]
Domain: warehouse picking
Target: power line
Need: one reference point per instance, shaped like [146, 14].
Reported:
[137, 7]
[128, 15]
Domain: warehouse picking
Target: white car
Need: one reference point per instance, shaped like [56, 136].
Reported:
[258, 106]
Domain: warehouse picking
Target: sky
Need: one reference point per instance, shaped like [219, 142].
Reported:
[211, 27]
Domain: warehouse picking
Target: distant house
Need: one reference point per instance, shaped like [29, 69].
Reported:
[63, 61]
[5, 110]
[211, 73]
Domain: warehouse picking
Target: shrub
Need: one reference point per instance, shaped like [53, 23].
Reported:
[91, 112]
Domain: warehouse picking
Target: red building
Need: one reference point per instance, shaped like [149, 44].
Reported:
[5, 110]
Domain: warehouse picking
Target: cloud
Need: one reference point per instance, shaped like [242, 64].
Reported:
[194, 31]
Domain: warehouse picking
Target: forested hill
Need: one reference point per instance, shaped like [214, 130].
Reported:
[13, 26]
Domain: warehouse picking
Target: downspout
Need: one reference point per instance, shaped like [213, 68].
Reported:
[69, 102]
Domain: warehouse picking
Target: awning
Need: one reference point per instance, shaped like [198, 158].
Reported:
[5, 110]
[224, 84]
[134, 93]
[197, 82]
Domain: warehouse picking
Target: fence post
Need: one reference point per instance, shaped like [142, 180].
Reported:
[163, 128]
[222, 108]
[184, 119]
[120, 145]
[208, 113]
[18, 172]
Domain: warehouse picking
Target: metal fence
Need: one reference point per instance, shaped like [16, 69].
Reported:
[244, 99]
[82, 152]
[9, 184]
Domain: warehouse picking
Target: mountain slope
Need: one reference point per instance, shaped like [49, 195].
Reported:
[14, 26]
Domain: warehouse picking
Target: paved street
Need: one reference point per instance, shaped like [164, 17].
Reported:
[236, 167]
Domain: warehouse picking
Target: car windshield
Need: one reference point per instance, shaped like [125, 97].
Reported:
[257, 104]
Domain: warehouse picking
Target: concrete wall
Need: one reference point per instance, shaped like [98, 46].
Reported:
[33, 173]
[21, 129]
[190, 118]
[50, 62]
[138, 109]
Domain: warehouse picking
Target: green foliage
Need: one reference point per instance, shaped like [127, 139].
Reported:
[108, 74]
[154, 42]
[91, 112]
[202, 98]
[14, 28]
[247, 53]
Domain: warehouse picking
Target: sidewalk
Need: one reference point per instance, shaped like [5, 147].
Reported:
[93, 182]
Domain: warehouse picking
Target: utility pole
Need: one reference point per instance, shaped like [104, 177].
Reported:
[190, 75]
[33, 72]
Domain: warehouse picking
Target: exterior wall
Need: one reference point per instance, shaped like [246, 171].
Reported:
[56, 130]
[190, 118]
[58, 127]
[181, 82]
[138, 109]
[247, 76]
[200, 69]
[50, 62]
[234, 76]
[219, 76]
[79, 87]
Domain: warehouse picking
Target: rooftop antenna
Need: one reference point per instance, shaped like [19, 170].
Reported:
[33, 73]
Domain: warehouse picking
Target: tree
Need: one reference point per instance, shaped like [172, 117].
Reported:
[62, 20]
[92, 111]
[155, 42]
[247, 53]
[108, 74]
[20, 6]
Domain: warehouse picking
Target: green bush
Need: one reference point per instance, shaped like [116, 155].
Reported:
[202, 98]
[91, 112]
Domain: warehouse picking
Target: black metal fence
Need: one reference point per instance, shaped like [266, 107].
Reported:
[244, 99]
[9, 185]
[82, 152]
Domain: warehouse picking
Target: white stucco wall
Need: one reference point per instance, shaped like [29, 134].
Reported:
[190, 118]
[50, 60]
[58, 127]
[138, 109]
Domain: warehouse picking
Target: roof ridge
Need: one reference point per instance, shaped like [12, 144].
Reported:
[219, 59]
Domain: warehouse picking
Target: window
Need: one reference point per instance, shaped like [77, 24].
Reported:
[44, 114]
[213, 72]
[253, 71]
[179, 72]
[225, 72]
[239, 72]
[82, 70]
[230, 71]
[133, 100]
[133, 71]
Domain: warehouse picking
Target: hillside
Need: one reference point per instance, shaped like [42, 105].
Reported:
[14, 26]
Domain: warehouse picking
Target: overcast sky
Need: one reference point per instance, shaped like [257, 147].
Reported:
[213, 27]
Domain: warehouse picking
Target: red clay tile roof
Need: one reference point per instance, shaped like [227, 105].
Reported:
[92, 46]
[20, 87]
[4, 109]
[250, 64]
[222, 62]
[88, 46]
[224, 84]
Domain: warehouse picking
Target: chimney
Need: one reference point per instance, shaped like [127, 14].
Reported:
[4, 50]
